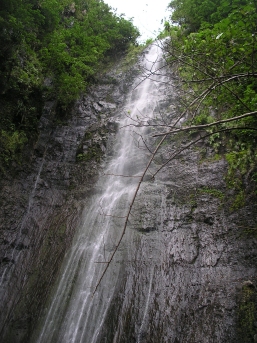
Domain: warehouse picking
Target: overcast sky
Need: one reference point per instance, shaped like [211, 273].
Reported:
[147, 14]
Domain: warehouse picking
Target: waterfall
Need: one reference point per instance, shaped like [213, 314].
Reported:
[73, 315]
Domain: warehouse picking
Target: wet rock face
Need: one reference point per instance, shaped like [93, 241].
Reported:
[191, 266]
[189, 273]
[41, 207]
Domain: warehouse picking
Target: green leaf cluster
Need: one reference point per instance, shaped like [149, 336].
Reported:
[214, 53]
[52, 49]
[194, 14]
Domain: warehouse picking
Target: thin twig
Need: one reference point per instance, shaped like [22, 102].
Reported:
[109, 174]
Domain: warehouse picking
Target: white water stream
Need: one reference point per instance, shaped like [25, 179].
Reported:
[73, 315]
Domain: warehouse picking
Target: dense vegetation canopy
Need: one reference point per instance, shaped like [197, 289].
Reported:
[51, 49]
[213, 48]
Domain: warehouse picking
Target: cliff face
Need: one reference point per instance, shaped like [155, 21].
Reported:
[41, 205]
[188, 258]
[191, 265]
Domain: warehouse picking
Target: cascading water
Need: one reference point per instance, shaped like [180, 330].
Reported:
[73, 314]
[179, 270]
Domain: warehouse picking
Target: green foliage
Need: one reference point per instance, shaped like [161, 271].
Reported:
[242, 161]
[93, 153]
[193, 14]
[202, 119]
[214, 192]
[247, 313]
[131, 56]
[84, 37]
[240, 165]
[148, 41]
[11, 145]
[214, 53]
[62, 41]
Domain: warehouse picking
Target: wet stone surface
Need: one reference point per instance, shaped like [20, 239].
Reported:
[41, 206]
[185, 279]
[187, 264]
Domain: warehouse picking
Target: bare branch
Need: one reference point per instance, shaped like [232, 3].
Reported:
[227, 77]
[218, 79]
[109, 174]
[147, 76]
[198, 127]
[109, 215]
[138, 187]
[128, 214]
[196, 141]
[195, 102]
[143, 140]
